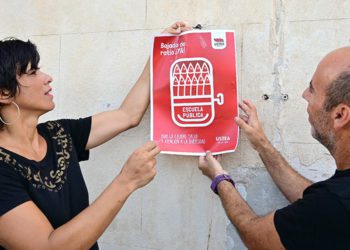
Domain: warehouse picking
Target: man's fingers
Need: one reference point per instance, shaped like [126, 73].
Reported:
[244, 118]
[243, 107]
[241, 123]
[209, 156]
[249, 104]
[201, 159]
[251, 107]
[246, 108]
[218, 157]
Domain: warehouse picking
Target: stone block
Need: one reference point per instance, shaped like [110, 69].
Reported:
[316, 9]
[257, 72]
[62, 17]
[222, 12]
[306, 43]
[98, 70]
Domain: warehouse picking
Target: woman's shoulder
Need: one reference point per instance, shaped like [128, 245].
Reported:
[65, 125]
[7, 158]
[54, 130]
[51, 125]
[9, 165]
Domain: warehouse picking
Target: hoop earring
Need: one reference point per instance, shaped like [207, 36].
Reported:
[18, 115]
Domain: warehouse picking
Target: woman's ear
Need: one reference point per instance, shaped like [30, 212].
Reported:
[5, 97]
[341, 116]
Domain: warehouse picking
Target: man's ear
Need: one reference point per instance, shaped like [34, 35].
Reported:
[5, 97]
[341, 116]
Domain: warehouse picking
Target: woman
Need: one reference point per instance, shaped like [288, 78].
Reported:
[43, 198]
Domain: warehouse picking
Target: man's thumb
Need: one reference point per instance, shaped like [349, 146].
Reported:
[209, 156]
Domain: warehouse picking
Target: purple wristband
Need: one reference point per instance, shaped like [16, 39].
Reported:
[218, 179]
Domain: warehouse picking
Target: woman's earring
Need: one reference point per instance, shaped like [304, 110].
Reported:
[18, 115]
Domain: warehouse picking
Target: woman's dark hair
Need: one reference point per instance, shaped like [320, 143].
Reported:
[15, 55]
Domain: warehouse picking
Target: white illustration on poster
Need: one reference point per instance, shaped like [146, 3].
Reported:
[192, 92]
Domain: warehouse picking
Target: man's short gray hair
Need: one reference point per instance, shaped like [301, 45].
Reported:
[338, 92]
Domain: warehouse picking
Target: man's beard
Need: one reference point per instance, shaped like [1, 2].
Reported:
[321, 130]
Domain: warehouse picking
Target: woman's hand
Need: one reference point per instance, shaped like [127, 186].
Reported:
[177, 28]
[140, 169]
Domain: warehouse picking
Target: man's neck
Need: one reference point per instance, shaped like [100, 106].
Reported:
[341, 153]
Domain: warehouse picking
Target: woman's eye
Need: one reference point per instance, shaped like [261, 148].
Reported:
[33, 72]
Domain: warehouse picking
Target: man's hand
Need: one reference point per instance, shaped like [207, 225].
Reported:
[250, 124]
[210, 166]
[140, 169]
[177, 28]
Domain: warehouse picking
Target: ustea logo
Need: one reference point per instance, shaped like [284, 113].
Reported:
[218, 40]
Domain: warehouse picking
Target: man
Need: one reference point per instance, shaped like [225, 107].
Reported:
[319, 214]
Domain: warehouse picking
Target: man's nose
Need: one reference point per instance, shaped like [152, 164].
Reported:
[305, 94]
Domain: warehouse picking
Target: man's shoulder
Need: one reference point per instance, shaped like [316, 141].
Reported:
[320, 220]
[337, 187]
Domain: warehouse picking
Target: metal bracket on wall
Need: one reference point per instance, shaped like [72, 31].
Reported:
[283, 97]
[198, 26]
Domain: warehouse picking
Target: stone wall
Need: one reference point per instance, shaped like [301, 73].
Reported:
[95, 51]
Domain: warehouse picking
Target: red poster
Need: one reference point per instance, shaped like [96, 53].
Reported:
[194, 92]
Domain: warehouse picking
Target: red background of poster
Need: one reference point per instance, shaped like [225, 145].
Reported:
[222, 134]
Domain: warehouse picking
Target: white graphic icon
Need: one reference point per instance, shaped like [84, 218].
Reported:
[192, 92]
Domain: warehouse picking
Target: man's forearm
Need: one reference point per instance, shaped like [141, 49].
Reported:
[287, 179]
[256, 232]
[236, 208]
[290, 182]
